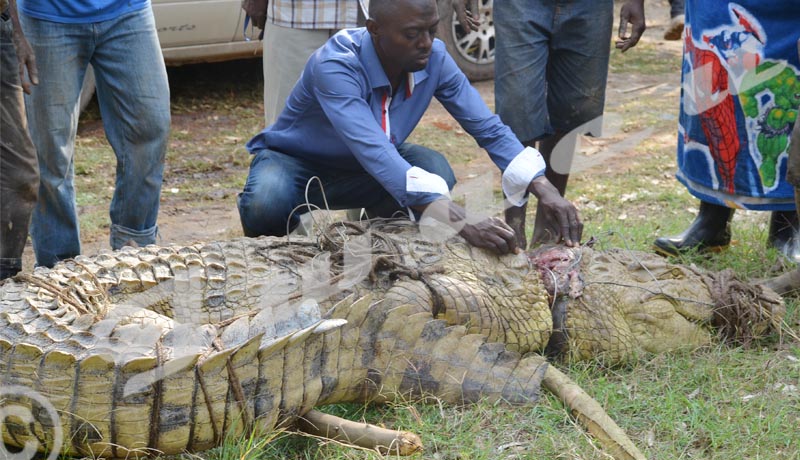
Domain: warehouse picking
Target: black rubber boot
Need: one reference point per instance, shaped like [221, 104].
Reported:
[783, 234]
[710, 231]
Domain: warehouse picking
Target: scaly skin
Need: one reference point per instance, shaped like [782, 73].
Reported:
[172, 348]
[174, 358]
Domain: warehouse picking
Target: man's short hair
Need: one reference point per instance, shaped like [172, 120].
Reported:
[379, 9]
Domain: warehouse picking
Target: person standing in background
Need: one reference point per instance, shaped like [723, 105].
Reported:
[293, 31]
[739, 100]
[118, 38]
[19, 171]
[551, 65]
[789, 283]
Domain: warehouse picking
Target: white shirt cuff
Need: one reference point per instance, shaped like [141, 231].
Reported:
[419, 180]
[520, 172]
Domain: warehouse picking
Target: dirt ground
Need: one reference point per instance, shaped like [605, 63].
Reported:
[183, 221]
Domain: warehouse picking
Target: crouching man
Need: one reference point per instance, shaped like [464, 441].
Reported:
[346, 123]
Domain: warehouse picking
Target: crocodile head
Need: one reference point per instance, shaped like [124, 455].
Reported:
[614, 304]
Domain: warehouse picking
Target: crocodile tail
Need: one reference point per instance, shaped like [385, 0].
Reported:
[94, 405]
[591, 415]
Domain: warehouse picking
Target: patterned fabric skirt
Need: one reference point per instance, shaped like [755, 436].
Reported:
[739, 101]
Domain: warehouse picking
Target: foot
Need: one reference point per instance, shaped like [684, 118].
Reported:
[787, 284]
[693, 239]
[710, 231]
[675, 28]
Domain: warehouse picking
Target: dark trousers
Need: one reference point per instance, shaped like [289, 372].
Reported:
[19, 169]
[675, 8]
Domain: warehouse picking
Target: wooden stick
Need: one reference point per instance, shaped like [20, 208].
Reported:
[364, 435]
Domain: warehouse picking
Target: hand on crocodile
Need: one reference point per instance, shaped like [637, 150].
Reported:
[491, 233]
[560, 214]
[483, 232]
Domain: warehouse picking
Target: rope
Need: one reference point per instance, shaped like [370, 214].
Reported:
[158, 397]
[385, 254]
[742, 312]
[207, 397]
[238, 393]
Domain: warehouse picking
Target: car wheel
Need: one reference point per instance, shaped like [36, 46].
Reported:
[87, 90]
[473, 51]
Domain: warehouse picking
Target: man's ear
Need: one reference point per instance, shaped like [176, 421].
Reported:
[372, 27]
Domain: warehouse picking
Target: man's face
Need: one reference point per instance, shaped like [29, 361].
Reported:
[404, 38]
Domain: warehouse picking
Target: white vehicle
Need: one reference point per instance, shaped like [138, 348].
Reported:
[193, 31]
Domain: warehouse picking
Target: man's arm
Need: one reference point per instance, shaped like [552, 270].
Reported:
[520, 165]
[25, 56]
[632, 13]
[525, 176]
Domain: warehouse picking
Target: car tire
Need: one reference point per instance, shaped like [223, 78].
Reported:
[87, 90]
[473, 51]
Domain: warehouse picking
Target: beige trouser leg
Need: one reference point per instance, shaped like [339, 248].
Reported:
[286, 51]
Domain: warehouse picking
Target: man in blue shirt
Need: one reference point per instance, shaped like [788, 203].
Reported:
[346, 122]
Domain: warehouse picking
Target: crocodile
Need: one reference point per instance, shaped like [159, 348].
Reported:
[171, 348]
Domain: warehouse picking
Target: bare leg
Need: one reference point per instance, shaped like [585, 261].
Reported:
[542, 232]
[515, 218]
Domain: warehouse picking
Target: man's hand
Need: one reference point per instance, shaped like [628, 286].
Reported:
[632, 13]
[558, 211]
[25, 56]
[467, 13]
[489, 233]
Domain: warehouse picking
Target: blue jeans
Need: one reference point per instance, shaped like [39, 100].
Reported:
[133, 93]
[276, 186]
[551, 63]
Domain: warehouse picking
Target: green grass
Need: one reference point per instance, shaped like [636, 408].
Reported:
[714, 403]
[647, 58]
